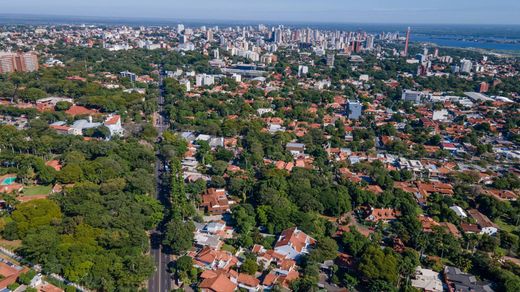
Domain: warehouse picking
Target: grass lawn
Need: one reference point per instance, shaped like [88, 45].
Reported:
[504, 226]
[36, 190]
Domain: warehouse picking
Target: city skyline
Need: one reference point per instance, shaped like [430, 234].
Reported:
[327, 11]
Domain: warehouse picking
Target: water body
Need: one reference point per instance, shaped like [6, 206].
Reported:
[461, 43]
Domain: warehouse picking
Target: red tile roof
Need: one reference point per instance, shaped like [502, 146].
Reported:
[77, 110]
[220, 283]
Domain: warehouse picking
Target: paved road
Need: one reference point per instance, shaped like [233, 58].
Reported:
[160, 280]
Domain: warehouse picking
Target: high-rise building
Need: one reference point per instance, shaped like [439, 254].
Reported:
[330, 60]
[465, 66]
[204, 80]
[370, 42]
[18, 62]
[209, 35]
[216, 54]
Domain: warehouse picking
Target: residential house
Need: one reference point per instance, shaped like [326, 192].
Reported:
[293, 243]
[296, 149]
[9, 273]
[216, 282]
[113, 123]
[248, 282]
[384, 215]
[427, 280]
[457, 280]
[211, 259]
[215, 201]
[484, 223]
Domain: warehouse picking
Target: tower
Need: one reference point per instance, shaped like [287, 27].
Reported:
[407, 42]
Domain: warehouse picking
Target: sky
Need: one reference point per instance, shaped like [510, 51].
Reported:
[327, 11]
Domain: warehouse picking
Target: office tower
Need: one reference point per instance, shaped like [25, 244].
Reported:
[209, 35]
[18, 62]
[465, 66]
[407, 42]
[216, 54]
[180, 28]
[455, 69]
[370, 42]
[278, 36]
[436, 53]
[330, 60]
[358, 46]
[354, 110]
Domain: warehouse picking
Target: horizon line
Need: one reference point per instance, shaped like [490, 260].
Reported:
[230, 21]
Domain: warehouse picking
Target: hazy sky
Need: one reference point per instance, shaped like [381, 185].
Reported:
[376, 11]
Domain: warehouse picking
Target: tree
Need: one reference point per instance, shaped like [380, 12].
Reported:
[62, 105]
[355, 243]
[183, 269]
[249, 266]
[179, 236]
[33, 214]
[70, 173]
[326, 249]
[377, 264]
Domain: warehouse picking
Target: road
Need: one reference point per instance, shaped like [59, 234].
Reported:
[160, 280]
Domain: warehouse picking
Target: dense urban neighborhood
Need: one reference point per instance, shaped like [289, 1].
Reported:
[255, 158]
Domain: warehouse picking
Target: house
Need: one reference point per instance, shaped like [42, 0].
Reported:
[216, 282]
[452, 229]
[469, 228]
[113, 123]
[385, 215]
[210, 240]
[272, 279]
[215, 201]
[9, 273]
[484, 223]
[427, 223]
[293, 242]
[296, 149]
[248, 282]
[459, 211]
[77, 110]
[54, 164]
[42, 286]
[427, 280]
[79, 125]
[456, 281]
[211, 259]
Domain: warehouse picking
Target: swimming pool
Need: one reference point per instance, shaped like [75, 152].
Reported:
[8, 181]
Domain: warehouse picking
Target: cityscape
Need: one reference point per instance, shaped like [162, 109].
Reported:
[235, 155]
